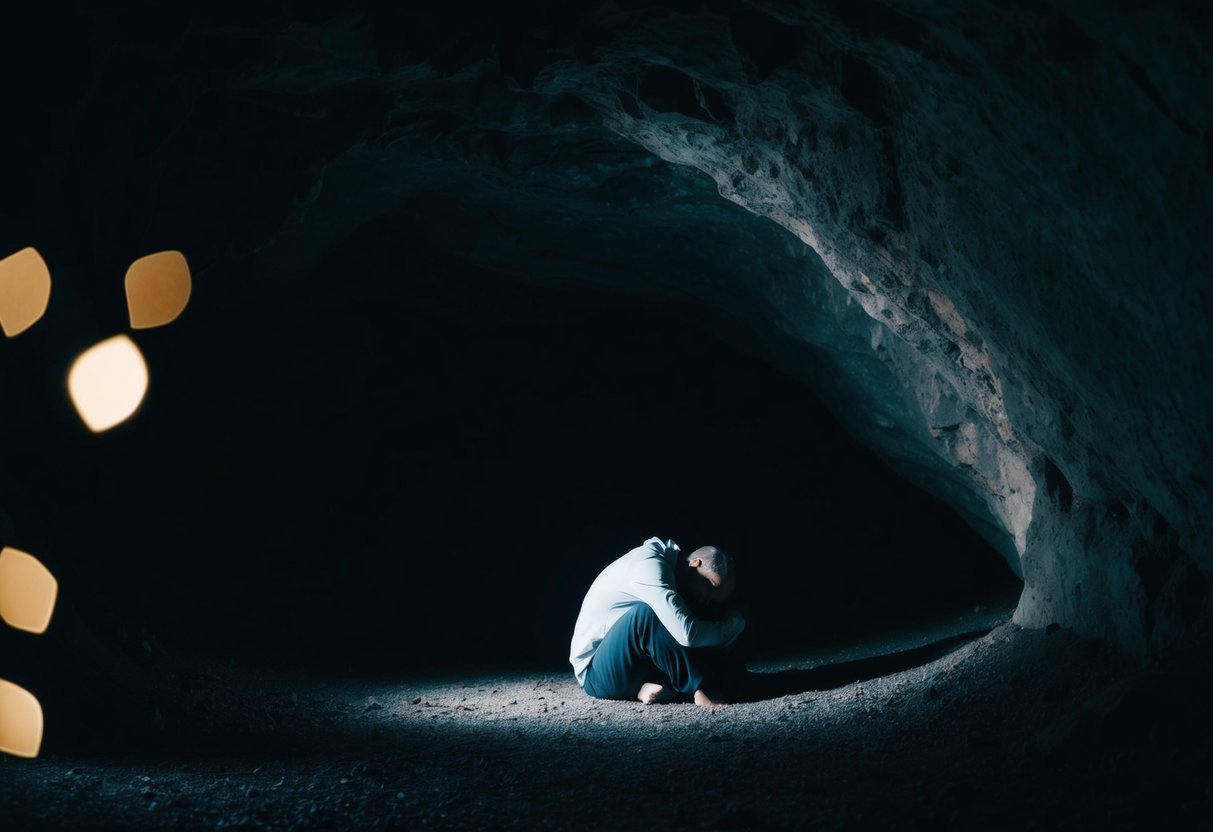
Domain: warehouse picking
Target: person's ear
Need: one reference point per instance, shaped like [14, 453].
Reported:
[694, 563]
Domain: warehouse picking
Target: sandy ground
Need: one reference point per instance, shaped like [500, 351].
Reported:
[1013, 729]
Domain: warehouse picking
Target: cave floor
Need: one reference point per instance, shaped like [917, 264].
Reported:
[1011, 729]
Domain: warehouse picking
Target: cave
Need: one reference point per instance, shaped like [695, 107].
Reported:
[905, 305]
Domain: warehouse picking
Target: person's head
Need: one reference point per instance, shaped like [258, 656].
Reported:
[707, 577]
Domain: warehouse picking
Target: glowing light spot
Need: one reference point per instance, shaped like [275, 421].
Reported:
[25, 290]
[157, 289]
[107, 382]
[27, 591]
[20, 721]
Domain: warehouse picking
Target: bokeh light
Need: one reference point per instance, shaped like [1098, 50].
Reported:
[27, 591]
[107, 382]
[25, 290]
[157, 289]
[20, 721]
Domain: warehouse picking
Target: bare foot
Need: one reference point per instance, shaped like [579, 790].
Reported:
[705, 701]
[651, 693]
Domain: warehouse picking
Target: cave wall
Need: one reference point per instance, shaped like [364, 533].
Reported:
[1016, 199]
[996, 272]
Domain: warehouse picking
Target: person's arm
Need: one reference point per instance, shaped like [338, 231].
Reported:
[652, 584]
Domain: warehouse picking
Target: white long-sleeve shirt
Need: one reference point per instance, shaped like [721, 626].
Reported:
[645, 575]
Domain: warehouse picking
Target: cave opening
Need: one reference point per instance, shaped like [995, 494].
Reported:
[370, 471]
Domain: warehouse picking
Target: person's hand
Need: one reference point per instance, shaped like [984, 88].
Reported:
[703, 700]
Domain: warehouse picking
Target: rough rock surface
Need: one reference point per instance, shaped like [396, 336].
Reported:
[996, 270]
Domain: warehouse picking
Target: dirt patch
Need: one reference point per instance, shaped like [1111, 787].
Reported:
[1013, 729]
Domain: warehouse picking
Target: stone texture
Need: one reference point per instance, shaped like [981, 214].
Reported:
[977, 231]
[995, 202]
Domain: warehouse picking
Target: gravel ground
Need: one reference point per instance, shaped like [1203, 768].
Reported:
[1012, 729]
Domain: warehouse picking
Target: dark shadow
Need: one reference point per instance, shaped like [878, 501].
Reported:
[749, 686]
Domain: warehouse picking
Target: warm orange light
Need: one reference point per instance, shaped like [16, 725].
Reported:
[107, 382]
[25, 290]
[20, 721]
[157, 289]
[27, 591]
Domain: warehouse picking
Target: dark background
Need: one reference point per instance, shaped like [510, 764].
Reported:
[390, 460]
[396, 464]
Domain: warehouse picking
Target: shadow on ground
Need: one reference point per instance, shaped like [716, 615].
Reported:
[760, 686]
[1011, 729]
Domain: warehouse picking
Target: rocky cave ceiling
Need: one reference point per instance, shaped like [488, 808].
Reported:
[978, 231]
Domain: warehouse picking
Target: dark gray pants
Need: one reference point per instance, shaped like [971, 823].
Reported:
[638, 649]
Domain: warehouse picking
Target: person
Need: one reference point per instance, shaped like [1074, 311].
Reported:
[645, 619]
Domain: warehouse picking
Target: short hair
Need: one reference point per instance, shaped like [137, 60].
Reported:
[716, 560]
